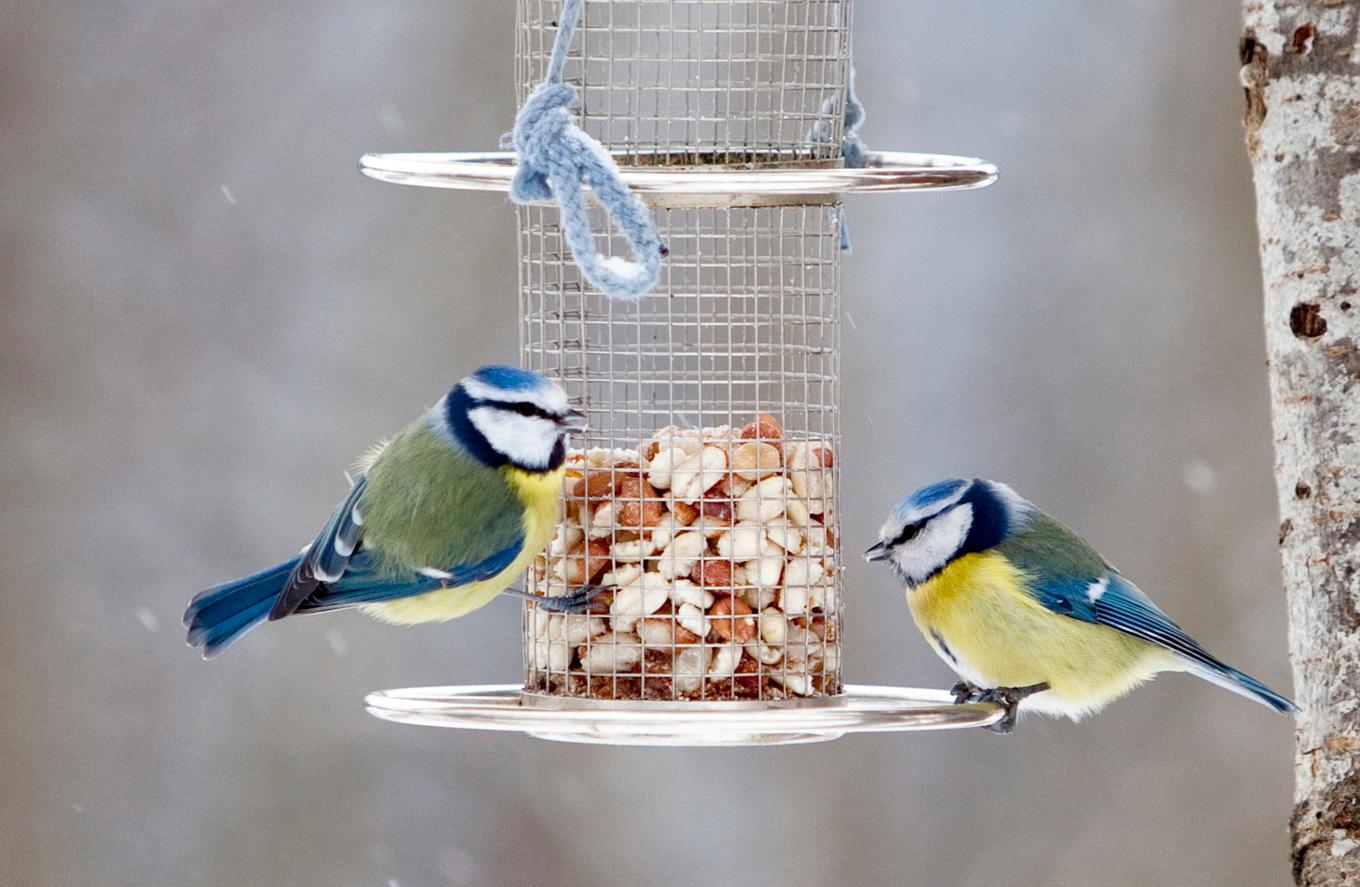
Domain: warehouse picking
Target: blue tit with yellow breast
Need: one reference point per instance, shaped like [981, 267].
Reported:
[1027, 612]
[438, 520]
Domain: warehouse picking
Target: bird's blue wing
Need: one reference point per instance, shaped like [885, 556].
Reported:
[1069, 577]
[1112, 600]
[365, 581]
[328, 557]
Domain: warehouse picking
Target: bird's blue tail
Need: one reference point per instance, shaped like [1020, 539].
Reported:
[223, 613]
[1243, 685]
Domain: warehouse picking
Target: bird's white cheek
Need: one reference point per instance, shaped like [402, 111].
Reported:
[935, 545]
[524, 440]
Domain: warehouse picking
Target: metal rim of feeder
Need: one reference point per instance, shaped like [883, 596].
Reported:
[709, 184]
[507, 707]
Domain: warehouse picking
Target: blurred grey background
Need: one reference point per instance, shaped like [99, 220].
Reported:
[207, 312]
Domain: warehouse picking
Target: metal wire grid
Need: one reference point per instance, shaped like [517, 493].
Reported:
[744, 322]
[701, 81]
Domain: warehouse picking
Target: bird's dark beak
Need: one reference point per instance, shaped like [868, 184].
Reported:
[877, 552]
[574, 420]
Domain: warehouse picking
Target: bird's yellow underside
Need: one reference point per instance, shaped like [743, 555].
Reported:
[538, 492]
[977, 616]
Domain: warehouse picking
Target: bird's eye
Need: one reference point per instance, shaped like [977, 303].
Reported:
[909, 532]
[525, 409]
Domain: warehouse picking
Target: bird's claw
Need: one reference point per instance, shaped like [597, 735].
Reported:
[577, 602]
[965, 692]
[1008, 698]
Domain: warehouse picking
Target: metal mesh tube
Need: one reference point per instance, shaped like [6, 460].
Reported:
[718, 547]
[704, 496]
[701, 81]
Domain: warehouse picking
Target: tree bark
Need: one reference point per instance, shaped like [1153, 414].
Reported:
[1302, 76]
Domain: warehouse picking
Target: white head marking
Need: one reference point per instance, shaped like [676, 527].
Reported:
[934, 545]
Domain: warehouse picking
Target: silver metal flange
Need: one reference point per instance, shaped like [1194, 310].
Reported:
[701, 184]
[506, 707]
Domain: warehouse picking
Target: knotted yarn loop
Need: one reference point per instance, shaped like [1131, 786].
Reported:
[557, 160]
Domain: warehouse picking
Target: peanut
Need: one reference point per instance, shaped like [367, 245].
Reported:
[710, 526]
[662, 465]
[764, 653]
[680, 555]
[632, 602]
[584, 562]
[765, 501]
[569, 535]
[725, 660]
[595, 485]
[632, 551]
[657, 632]
[763, 427]
[731, 619]
[684, 591]
[785, 535]
[603, 520]
[613, 652]
[690, 665]
[692, 619]
[718, 509]
[712, 573]
[693, 477]
[774, 628]
[622, 574]
[639, 505]
[683, 513]
[765, 570]
[741, 543]
[755, 460]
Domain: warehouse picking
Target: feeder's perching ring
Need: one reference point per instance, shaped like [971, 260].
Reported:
[557, 160]
[659, 184]
[506, 707]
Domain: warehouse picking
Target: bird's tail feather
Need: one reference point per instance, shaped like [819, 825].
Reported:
[1243, 685]
[221, 614]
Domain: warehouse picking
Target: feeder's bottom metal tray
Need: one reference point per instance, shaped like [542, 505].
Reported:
[860, 709]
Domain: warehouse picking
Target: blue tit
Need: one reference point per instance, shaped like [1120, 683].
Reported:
[1026, 611]
[438, 520]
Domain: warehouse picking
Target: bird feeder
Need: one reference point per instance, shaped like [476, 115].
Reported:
[704, 497]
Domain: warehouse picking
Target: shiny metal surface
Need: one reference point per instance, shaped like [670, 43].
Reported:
[707, 185]
[860, 709]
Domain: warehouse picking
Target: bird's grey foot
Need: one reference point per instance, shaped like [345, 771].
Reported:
[578, 601]
[966, 692]
[1009, 698]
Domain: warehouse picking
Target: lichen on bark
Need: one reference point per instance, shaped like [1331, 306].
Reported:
[1301, 73]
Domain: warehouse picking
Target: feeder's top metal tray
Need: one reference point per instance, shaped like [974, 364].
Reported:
[860, 709]
[658, 181]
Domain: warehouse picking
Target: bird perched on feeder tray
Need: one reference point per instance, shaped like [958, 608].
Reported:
[1027, 612]
[440, 519]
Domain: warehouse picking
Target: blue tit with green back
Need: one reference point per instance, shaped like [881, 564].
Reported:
[1027, 612]
[437, 522]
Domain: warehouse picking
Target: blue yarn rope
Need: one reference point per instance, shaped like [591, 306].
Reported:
[557, 160]
[853, 149]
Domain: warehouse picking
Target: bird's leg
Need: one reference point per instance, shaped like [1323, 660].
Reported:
[578, 601]
[1009, 698]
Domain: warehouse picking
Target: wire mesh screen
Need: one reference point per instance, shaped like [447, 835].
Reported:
[701, 81]
[703, 498]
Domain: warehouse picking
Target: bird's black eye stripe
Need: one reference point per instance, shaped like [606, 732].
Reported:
[909, 532]
[524, 408]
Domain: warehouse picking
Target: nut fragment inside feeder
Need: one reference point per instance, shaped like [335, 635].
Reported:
[717, 552]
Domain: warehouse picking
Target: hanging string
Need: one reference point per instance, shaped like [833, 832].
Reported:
[557, 161]
[852, 146]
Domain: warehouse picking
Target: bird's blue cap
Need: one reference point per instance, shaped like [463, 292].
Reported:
[924, 500]
[508, 378]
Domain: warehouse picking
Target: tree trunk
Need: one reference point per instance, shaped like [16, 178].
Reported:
[1302, 76]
